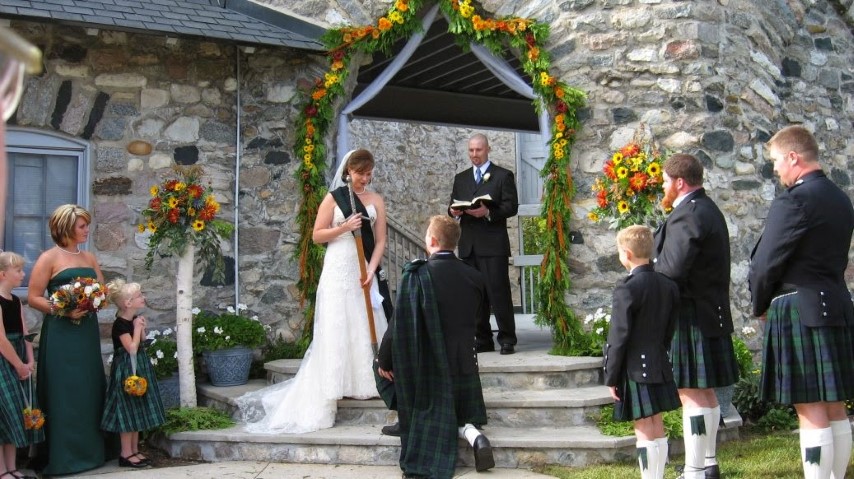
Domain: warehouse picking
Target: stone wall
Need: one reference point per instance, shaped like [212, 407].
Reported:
[179, 96]
[714, 79]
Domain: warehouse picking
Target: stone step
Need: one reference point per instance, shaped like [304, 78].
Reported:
[363, 444]
[529, 370]
[521, 408]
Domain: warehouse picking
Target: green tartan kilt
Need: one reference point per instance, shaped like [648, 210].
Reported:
[14, 395]
[700, 362]
[801, 364]
[468, 400]
[640, 400]
[126, 413]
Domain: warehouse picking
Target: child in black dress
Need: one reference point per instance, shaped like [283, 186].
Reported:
[16, 369]
[125, 413]
[637, 367]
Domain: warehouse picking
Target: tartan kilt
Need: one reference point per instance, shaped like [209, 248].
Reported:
[640, 400]
[14, 395]
[126, 413]
[801, 364]
[468, 400]
[700, 362]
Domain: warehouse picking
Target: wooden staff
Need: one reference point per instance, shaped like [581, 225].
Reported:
[357, 235]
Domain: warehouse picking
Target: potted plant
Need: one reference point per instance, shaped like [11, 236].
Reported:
[162, 350]
[226, 341]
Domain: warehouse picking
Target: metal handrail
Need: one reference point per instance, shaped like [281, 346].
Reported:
[402, 246]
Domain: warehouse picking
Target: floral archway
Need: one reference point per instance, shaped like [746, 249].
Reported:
[562, 102]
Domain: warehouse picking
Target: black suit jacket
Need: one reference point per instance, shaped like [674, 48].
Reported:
[461, 293]
[805, 248]
[643, 318]
[480, 236]
[692, 248]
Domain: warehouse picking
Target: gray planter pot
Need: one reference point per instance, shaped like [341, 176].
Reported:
[228, 367]
[724, 395]
[170, 391]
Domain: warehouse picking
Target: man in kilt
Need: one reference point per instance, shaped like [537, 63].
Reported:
[637, 368]
[797, 282]
[692, 248]
[429, 353]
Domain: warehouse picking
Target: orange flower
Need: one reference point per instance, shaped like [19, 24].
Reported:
[533, 54]
[309, 130]
[318, 94]
[602, 198]
[384, 24]
[631, 149]
[559, 92]
[402, 5]
[337, 65]
[638, 181]
[608, 169]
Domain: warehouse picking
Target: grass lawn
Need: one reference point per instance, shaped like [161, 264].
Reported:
[754, 456]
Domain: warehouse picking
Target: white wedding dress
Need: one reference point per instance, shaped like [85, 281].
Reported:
[338, 363]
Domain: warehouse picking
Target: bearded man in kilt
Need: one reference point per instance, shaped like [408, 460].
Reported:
[797, 283]
[692, 248]
[429, 353]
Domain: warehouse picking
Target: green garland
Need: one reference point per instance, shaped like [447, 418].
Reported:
[562, 102]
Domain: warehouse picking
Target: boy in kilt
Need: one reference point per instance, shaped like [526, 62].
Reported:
[16, 369]
[637, 369]
[797, 283]
[692, 249]
[124, 413]
[429, 353]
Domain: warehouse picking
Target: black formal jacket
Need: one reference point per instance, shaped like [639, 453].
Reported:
[461, 293]
[482, 237]
[692, 248]
[804, 248]
[643, 318]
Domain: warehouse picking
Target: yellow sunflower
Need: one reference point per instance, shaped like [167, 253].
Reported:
[154, 190]
[622, 172]
[623, 207]
[173, 202]
[654, 169]
[198, 225]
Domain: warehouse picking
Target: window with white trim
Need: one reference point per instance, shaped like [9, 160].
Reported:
[45, 170]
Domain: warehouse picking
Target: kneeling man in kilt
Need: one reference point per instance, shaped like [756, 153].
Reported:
[797, 283]
[429, 353]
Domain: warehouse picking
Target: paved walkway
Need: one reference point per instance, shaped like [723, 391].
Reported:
[270, 470]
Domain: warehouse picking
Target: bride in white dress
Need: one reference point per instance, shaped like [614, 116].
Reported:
[338, 363]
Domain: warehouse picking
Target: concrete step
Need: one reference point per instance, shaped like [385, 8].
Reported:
[521, 408]
[529, 370]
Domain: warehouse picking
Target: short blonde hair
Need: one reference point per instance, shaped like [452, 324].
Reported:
[9, 259]
[120, 291]
[798, 139]
[637, 239]
[446, 230]
[62, 221]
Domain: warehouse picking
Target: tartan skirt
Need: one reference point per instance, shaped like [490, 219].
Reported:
[468, 400]
[700, 362]
[640, 400]
[126, 413]
[14, 397]
[801, 364]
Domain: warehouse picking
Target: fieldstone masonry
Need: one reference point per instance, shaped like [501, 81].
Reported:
[715, 79]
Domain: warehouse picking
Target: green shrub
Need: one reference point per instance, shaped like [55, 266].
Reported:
[743, 356]
[747, 401]
[779, 418]
[193, 419]
[275, 349]
[212, 331]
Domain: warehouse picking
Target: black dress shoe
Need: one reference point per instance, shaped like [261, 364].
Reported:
[713, 472]
[483, 458]
[507, 349]
[125, 462]
[485, 348]
[392, 430]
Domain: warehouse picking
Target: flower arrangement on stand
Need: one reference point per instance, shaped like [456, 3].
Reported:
[631, 186]
[183, 211]
[82, 293]
[523, 35]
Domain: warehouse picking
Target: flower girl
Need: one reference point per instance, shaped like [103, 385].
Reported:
[20, 419]
[133, 401]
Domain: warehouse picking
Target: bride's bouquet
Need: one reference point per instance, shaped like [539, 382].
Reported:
[82, 293]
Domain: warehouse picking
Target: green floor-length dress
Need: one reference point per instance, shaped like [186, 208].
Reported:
[71, 385]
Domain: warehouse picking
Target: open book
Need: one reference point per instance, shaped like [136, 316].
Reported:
[474, 203]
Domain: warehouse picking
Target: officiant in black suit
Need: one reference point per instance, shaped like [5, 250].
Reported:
[485, 243]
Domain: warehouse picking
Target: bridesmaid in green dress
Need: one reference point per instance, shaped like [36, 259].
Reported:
[70, 375]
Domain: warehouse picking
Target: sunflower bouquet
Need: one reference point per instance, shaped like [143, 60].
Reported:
[135, 385]
[631, 186]
[82, 293]
[33, 418]
[182, 211]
